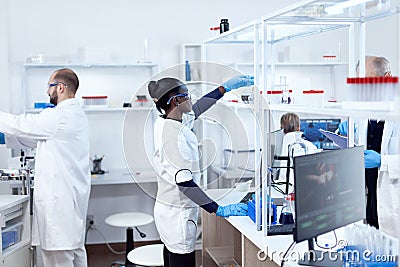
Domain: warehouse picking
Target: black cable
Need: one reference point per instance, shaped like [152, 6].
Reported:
[287, 252]
[142, 235]
[336, 242]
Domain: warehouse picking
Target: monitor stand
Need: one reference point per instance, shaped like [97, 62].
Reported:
[320, 258]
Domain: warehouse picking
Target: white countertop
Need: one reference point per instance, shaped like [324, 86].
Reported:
[123, 176]
[8, 201]
[232, 173]
[274, 246]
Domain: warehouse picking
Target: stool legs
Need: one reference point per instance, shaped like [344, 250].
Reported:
[129, 246]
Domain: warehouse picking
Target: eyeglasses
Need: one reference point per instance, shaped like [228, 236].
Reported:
[54, 84]
[185, 95]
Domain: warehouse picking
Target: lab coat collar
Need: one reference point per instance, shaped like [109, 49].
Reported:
[69, 101]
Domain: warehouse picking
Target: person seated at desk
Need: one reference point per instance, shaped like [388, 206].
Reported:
[292, 144]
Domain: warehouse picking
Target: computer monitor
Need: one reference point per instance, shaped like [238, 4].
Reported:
[310, 129]
[329, 193]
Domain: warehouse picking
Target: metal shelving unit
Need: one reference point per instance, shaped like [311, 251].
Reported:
[300, 20]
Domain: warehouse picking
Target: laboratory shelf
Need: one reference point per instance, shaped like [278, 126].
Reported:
[95, 110]
[89, 65]
[222, 256]
[335, 109]
[243, 34]
[293, 64]
[309, 17]
[123, 176]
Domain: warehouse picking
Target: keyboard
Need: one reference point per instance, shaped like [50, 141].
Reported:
[280, 229]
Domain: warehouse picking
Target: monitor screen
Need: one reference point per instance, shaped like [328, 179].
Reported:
[329, 191]
[310, 128]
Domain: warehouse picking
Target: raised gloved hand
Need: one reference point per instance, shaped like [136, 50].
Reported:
[2, 139]
[238, 209]
[372, 159]
[238, 81]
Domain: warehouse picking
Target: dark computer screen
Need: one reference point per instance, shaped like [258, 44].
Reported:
[329, 191]
[310, 129]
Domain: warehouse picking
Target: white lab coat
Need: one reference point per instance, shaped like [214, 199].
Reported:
[388, 188]
[62, 172]
[176, 160]
[290, 139]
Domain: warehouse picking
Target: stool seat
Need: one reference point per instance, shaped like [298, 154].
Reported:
[129, 219]
[149, 255]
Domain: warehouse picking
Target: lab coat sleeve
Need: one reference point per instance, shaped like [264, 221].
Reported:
[40, 126]
[19, 142]
[390, 164]
[194, 192]
[207, 101]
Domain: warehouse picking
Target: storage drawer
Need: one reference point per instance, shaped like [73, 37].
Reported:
[11, 235]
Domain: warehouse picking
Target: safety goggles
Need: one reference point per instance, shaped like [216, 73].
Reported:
[54, 84]
[185, 95]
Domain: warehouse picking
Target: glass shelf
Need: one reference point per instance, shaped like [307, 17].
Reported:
[89, 65]
[310, 17]
[336, 109]
[95, 110]
[240, 35]
[333, 11]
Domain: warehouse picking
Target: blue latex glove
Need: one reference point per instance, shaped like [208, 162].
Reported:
[238, 209]
[2, 139]
[372, 159]
[238, 81]
[343, 126]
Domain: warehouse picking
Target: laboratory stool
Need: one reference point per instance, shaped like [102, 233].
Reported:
[129, 220]
[149, 255]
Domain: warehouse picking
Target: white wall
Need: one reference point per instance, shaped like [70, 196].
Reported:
[114, 31]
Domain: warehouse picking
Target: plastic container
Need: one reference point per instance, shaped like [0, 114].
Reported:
[224, 26]
[187, 71]
[141, 101]
[371, 89]
[214, 31]
[42, 105]
[95, 101]
[252, 211]
[11, 235]
[313, 98]
[274, 97]
[329, 58]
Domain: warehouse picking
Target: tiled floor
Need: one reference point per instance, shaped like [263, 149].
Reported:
[100, 256]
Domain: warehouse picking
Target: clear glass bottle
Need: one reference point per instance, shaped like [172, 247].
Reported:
[286, 216]
[285, 91]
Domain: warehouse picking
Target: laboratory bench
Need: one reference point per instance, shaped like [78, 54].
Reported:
[235, 241]
[123, 176]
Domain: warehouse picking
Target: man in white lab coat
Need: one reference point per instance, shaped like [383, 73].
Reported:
[386, 160]
[62, 172]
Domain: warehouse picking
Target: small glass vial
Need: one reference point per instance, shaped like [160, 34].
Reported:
[286, 214]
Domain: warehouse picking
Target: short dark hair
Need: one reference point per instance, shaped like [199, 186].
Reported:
[68, 77]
